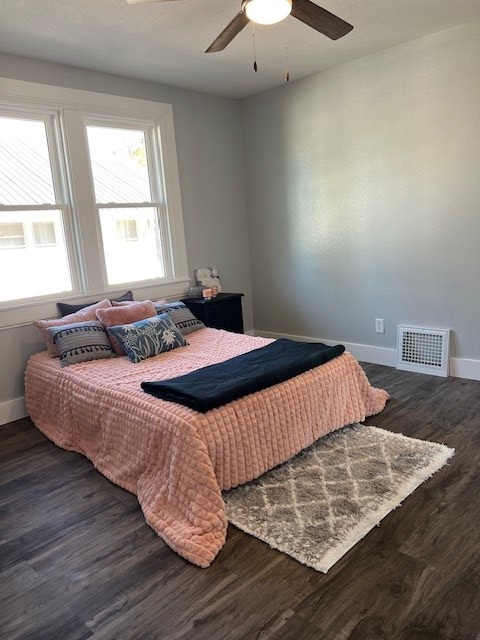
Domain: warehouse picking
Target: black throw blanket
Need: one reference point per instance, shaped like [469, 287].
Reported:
[217, 384]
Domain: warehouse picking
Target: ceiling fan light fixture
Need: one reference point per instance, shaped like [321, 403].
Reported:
[268, 11]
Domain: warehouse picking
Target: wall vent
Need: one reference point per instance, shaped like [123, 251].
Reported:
[423, 350]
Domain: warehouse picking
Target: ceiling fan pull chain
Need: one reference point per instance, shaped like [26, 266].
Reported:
[287, 73]
[255, 67]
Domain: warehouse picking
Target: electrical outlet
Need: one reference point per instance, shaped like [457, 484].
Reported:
[379, 325]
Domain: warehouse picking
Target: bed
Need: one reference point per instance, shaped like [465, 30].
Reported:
[178, 461]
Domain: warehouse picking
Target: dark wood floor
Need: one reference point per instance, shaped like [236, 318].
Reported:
[78, 560]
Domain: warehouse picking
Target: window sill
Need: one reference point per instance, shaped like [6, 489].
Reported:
[25, 313]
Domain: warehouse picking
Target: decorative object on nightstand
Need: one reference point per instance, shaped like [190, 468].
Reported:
[208, 277]
[224, 311]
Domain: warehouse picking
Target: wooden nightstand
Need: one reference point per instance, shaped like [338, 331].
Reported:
[222, 312]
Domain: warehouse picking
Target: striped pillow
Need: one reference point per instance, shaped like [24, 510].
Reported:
[81, 342]
[181, 316]
[89, 313]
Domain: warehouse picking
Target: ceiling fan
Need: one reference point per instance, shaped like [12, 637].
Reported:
[271, 11]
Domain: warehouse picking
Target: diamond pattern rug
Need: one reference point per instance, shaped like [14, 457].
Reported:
[316, 506]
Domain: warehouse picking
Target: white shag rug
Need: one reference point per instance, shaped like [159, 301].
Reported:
[318, 505]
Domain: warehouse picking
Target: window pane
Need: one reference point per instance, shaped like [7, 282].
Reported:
[25, 172]
[119, 165]
[39, 268]
[128, 261]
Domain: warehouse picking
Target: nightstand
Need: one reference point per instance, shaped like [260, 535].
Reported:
[222, 312]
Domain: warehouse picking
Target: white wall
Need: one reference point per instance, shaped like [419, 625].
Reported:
[210, 156]
[363, 188]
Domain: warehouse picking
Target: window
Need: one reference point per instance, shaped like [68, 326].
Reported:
[32, 207]
[44, 234]
[12, 235]
[126, 182]
[89, 199]
[127, 230]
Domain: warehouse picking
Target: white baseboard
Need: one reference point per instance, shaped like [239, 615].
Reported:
[12, 410]
[364, 352]
[459, 367]
[465, 368]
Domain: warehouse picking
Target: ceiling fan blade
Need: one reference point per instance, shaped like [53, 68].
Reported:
[320, 19]
[145, 1]
[228, 34]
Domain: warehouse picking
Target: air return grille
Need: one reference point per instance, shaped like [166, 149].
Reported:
[423, 350]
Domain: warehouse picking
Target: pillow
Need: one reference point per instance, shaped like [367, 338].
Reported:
[128, 295]
[85, 314]
[181, 315]
[65, 309]
[125, 314]
[80, 342]
[147, 338]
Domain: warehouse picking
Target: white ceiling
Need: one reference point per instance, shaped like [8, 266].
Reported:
[164, 42]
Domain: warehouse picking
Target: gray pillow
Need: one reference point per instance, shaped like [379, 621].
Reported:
[181, 315]
[81, 342]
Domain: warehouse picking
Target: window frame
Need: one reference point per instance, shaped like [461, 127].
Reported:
[68, 110]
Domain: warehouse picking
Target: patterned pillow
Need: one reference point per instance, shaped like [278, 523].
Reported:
[89, 313]
[148, 337]
[181, 315]
[125, 314]
[80, 342]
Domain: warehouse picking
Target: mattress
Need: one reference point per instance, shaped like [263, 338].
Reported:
[178, 461]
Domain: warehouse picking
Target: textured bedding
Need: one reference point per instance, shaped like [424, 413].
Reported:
[177, 461]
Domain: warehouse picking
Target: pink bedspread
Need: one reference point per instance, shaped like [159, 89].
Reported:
[178, 461]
